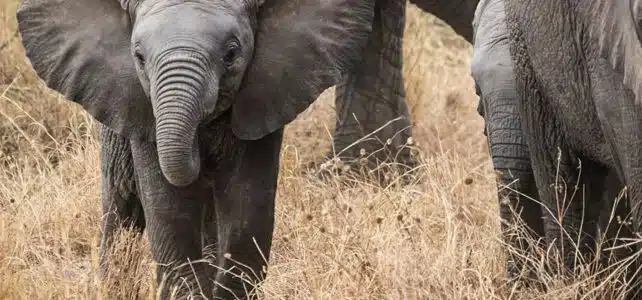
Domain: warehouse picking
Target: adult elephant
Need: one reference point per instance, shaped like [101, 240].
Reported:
[579, 89]
[373, 94]
[494, 74]
[193, 96]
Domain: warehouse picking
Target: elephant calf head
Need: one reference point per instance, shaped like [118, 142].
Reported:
[156, 69]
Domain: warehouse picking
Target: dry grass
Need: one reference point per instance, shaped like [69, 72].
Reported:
[434, 240]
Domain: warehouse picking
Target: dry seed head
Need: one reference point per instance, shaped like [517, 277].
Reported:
[325, 165]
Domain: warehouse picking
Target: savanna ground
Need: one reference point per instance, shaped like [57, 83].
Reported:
[438, 239]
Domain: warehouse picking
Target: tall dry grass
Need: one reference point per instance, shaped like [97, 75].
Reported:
[435, 240]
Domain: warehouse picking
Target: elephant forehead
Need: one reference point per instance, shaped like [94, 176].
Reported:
[188, 25]
[207, 6]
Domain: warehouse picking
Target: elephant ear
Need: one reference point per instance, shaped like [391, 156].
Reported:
[615, 25]
[82, 50]
[302, 47]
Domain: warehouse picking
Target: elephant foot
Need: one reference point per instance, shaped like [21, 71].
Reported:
[385, 166]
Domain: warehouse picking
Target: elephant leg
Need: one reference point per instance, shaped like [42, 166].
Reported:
[122, 208]
[210, 227]
[492, 70]
[621, 120]
[572, 201]
[569, 197]
[174, 220]
[245, 188]
[614, 223]
[373, 95]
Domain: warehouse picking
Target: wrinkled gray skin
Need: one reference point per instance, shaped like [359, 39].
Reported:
[579, 85]
[373, 94]
[494, 75]
[193, 96]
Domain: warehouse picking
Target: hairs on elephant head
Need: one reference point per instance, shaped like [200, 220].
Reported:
[155, 69]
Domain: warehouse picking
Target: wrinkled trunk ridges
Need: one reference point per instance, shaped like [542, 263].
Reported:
[179, 89]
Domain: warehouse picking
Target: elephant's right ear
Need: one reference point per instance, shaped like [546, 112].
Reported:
[82, 50]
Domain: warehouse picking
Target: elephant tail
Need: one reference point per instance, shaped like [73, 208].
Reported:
[615, 26]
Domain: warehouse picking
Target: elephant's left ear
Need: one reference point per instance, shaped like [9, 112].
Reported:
[302, 47]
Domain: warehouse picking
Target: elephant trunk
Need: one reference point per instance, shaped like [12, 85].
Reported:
[178, 89]
[511, 157]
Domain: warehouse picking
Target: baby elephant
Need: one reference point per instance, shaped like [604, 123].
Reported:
[194, 95]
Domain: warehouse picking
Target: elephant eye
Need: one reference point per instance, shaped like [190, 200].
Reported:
[232, 52]
[139, 58]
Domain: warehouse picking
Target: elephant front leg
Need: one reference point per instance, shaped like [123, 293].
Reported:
[372, 96]
[174, 220]
[121, 205]
[244, 199]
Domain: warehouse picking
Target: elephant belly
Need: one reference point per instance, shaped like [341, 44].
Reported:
[581, 127]
[562, 75]
[619, 115]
